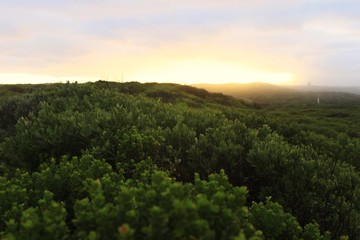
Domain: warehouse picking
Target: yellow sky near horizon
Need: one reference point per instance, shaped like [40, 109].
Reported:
[289, 42]
[182, 72]
[183, 64]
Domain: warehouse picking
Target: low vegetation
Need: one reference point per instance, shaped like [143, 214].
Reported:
[164, 161]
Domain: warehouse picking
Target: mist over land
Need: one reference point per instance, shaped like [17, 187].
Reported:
[320, 88]
[270, 94]
[275, 88]
[260, 87]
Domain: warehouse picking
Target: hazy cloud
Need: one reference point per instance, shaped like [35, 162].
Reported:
[319, 39]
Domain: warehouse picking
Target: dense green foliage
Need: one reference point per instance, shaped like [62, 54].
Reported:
[162, 161]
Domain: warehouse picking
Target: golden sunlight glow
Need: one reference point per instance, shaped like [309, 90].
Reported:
[171, 71]
[208, 71]
[24, 78]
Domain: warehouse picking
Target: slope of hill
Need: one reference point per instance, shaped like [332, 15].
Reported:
[172, 93]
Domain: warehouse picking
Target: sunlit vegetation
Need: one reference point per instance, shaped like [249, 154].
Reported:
[164, 161]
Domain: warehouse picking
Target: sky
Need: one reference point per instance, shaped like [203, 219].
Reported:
[182, 41]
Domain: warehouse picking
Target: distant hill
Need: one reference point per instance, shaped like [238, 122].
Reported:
[236, 88]
[354, 89]
[246, 90]
[265, 94]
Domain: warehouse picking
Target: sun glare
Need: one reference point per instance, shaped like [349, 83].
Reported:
[205, 71]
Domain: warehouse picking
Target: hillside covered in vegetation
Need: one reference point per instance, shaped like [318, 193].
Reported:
[112, 160]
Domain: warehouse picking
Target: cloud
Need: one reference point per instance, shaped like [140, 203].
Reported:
[314, 39]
